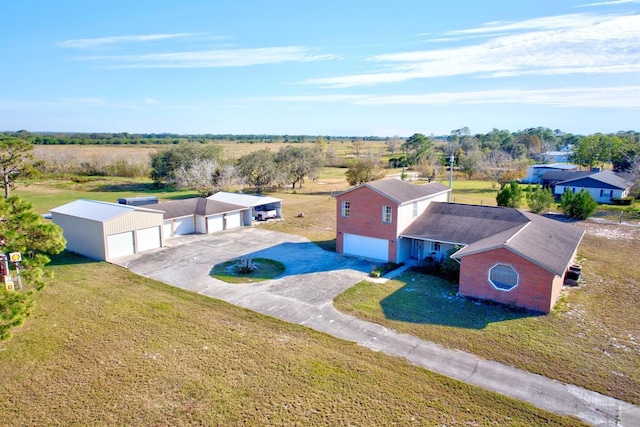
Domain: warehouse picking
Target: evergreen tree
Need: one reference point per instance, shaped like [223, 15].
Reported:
[510, 196]
[539, 199]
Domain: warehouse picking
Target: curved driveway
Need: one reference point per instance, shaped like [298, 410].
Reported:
[304, 295]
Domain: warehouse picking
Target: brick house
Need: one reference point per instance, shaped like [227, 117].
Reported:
[505, 255]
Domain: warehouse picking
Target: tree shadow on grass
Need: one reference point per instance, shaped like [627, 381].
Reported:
[70, 258]
[431, 300]
[143, 187]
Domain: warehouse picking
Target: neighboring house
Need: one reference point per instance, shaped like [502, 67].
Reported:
[603, 186]
[535, 172]
[105, 231]
[556, 156]
[505, 255]
[552, 177]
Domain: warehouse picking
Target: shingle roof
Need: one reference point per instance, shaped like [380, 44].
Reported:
[546, 242]
[557, 175]
[401, 191]
[605, 177]
[462, 224]
[96, 210]
[194, 206]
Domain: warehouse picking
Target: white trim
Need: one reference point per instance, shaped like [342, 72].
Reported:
[504, 265]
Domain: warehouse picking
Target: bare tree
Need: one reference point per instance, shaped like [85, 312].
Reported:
[358, 145]
[500, 167]
[200, 176]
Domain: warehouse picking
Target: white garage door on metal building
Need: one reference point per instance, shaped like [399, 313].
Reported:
[233, 220]
[215, 223]
[184, 226]
[120, 244]
[368, 247]
[148, 238]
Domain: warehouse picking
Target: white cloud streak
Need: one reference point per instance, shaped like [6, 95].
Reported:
[104, 41]
[610, 3]
[588, 97]
[210, 58]
[567, 44]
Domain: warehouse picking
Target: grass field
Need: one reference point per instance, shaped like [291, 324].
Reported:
[107, 347]
[592, 340]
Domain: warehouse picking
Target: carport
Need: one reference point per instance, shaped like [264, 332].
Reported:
[103, 230]
[249, 202]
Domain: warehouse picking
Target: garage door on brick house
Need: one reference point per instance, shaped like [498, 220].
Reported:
[105, 231]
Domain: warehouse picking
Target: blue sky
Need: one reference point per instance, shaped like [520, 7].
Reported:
[333, 67]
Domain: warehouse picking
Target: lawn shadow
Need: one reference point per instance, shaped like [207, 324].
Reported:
[431, 300]
[70, 258]
[142, 187]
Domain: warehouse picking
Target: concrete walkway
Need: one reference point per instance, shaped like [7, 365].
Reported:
[304, 295]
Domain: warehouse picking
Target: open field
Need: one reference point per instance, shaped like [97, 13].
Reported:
[107, 347]
[592, 339]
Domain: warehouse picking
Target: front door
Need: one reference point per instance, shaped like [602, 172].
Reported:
[416, 249]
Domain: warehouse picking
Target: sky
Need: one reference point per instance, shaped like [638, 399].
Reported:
[319, 67]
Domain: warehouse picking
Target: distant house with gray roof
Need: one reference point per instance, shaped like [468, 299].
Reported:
[603, 186]
[505, 255]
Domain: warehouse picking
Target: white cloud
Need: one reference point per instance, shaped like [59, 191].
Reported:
[607, 97]
[557, 45]
[610, 3]
[588, 97]
[210, 58]
[102, 41]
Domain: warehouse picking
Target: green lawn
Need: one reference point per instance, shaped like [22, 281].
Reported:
[107, 347]
[591, 340]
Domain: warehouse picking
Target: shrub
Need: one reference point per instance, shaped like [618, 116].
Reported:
[539, 199]
[510, 196]
[579, 205]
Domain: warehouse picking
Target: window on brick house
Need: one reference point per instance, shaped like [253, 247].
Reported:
[503, 277]
[386, 214]
[346, 208]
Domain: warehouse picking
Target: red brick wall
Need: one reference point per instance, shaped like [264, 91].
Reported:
[366, 218]
[538, 289]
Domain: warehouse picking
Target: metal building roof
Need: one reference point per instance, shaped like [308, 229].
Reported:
[247, 200]
[96, 210]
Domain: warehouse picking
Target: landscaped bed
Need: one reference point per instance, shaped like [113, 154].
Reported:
[248, 270]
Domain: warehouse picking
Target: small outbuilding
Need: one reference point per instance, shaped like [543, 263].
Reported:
[105, 231]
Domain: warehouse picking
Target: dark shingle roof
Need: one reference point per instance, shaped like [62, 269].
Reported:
[596, 180]
[463, 224]
[194, 206]
[546, 242]
[401, 191]
[556, 175]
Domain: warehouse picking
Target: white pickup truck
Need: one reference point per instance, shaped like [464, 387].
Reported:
[263, 213]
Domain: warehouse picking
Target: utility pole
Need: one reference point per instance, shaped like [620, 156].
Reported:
[450, 174]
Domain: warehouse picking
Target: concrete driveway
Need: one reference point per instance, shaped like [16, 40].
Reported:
[304, 295]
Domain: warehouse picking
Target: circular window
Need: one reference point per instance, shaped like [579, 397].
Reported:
[503, 277]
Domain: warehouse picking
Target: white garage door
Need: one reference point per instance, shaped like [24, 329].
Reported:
[167, 228]
[233, 220]
[215, 223]
[364, 246]
[184, 226]
[148, 238]
[120, 244]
